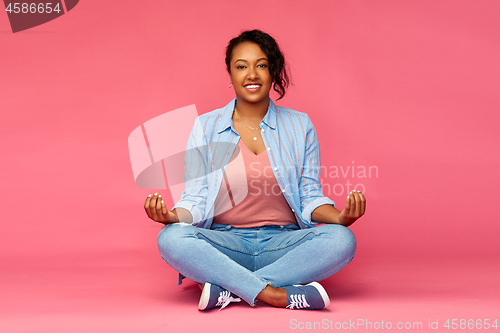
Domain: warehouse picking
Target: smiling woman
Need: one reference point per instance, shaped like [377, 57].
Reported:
[269, 50]
[260, 247]
[249, 73]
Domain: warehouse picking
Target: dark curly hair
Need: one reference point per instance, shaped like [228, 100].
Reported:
[276, 60]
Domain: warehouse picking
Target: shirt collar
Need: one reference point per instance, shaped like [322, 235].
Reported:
[227, 116]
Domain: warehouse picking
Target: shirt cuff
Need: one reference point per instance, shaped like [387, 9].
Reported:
[306, 213]
[196, 213]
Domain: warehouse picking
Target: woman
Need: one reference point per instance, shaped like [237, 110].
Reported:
[250, 226]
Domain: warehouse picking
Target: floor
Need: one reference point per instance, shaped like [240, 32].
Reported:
[136, 291]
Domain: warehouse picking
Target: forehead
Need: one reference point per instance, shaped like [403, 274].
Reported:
[248, 51]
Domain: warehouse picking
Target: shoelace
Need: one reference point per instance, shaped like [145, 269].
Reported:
[298, 302]
[225, 298]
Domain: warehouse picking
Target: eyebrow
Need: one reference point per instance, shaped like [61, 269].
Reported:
[247, 61]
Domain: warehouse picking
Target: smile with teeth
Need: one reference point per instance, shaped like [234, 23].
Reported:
[253, 86]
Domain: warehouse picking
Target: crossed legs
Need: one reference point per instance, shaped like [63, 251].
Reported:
[255, 262]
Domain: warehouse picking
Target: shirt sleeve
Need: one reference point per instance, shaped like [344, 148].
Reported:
[311, 194]
[194, 196]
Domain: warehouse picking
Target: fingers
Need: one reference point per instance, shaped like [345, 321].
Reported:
[164, 209]
[151, 207]
[348, 205]
[357, 210]
[158, 208]
[363, 203]
[146, 206]
[355, 204]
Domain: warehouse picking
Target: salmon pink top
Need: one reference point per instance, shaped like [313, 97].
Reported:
[249, 195]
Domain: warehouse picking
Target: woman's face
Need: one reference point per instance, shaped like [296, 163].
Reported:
[250, 73]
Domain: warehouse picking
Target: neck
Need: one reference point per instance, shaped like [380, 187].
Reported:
[252, 112]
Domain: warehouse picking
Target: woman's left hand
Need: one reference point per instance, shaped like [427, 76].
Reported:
[355, 206]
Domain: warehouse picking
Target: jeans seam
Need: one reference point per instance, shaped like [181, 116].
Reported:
[196, 233]
[316, 233]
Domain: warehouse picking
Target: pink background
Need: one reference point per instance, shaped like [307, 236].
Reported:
[410, 87]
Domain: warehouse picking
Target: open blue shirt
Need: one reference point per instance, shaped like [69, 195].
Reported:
[292, 145]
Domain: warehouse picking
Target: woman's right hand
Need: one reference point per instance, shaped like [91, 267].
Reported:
[157, 210]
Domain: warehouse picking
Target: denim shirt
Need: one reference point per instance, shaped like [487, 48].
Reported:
[292, 146]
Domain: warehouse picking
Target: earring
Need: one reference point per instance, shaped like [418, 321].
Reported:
[230, 85]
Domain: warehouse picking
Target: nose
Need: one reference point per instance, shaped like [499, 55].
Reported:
[252, 74]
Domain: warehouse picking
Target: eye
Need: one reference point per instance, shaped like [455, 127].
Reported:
[262, 66]
[240, 67]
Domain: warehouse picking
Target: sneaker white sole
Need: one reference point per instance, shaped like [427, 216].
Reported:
[205, 297]
[321, 290]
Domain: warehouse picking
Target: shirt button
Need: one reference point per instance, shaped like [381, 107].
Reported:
[268, 148]
[275, 169]
[293, 211]
[262, 130]
[283, 191]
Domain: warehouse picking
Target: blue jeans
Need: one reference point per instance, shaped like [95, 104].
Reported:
[245, 260]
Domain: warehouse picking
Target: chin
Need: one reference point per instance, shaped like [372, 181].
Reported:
[254, 99]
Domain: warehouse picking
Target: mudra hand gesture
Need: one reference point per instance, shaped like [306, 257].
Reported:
[354, 208]
[157, 210]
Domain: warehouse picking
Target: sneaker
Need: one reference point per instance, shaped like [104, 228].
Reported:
[213, 296]
[311, 296]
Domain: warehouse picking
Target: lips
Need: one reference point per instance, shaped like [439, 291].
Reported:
[253, 87]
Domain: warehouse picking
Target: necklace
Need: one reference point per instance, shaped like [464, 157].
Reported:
[236, 113]
[246, 127]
